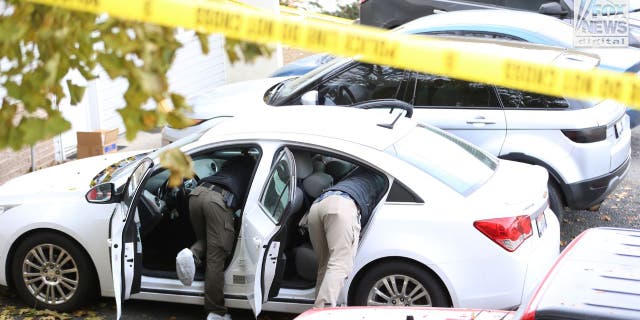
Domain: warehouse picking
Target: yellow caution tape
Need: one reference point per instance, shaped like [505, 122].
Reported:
[419, 53]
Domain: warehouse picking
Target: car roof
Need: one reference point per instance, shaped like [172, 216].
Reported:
[534, 22]
[528, 51]
[522, 24]
[344, 123]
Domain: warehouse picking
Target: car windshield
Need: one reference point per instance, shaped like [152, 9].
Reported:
[119, 172]
[116, 169]
[284, 89]
[447, 158]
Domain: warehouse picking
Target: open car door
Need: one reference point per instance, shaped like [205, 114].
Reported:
[262, 221]
[122, 245]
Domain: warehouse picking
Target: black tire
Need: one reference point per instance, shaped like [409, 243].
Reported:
[51, 272]
[555, 201]
[401, 272]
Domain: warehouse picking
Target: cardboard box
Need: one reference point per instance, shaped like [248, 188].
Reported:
[93, 143]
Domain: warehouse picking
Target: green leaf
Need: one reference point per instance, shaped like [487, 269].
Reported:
[51, 67]
[112, 64]
[32, 130]
[204, 42]
[76, 92]
[178, 120]
[179, 164]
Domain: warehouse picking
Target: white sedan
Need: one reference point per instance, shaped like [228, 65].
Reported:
[457, 227]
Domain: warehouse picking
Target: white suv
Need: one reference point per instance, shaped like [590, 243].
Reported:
[585, 145]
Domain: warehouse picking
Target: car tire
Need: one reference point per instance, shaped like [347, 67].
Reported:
[407, 278]
[555, 201]
[50, 271]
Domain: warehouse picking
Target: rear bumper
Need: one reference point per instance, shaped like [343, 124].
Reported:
[587, 193]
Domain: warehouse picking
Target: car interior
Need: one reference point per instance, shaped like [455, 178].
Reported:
[163, 212]
[165, 227]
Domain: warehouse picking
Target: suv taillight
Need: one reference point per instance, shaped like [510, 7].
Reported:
[586, 135]
[508, 232]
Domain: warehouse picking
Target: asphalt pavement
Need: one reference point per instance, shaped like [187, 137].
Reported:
[620, 209]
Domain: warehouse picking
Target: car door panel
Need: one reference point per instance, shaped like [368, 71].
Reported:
[123, 238]
[469, 110]
[261, 222]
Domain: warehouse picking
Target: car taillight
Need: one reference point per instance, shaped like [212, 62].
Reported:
[586, 135]
[508, 232]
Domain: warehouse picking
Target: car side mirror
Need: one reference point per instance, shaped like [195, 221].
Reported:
[552, 9]
[310, 98]
[102, 193]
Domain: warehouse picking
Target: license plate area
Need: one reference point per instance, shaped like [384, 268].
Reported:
[618, 127]
[541, 223]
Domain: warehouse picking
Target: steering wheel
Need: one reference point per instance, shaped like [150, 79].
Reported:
[170, 198]
[344, 91]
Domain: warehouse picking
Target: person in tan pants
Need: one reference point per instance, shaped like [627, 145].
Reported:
[335, 218]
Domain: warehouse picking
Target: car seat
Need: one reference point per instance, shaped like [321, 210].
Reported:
[337, 168]
[305, 260]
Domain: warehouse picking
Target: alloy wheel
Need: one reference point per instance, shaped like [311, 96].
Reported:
[398, 290]
[50, 274]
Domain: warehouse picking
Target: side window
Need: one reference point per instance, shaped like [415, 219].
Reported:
[278, 192]
[489, 35]
[474, 34]
[438, 91]
[529, 5]
[361, 83]
[400, 193]
[528, 100]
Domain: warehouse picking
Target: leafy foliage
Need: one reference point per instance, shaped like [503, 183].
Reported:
[42, 47]
[179, 164]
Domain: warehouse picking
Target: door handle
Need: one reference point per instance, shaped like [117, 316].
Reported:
[480, 120]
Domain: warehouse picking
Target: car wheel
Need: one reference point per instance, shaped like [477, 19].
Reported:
[555, 201]
[400, 284]
[50, 271]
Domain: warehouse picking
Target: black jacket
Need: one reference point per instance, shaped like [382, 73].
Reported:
[365, 188]
[234, 176]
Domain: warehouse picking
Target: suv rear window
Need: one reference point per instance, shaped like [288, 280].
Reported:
[445, 157]
[528, 100]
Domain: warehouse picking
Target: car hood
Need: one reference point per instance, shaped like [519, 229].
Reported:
[231, 99]
[70, 177]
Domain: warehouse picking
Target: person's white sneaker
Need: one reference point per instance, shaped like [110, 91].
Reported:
[185, 266]
[215, 316]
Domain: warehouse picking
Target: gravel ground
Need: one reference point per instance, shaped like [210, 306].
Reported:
[620, 209]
